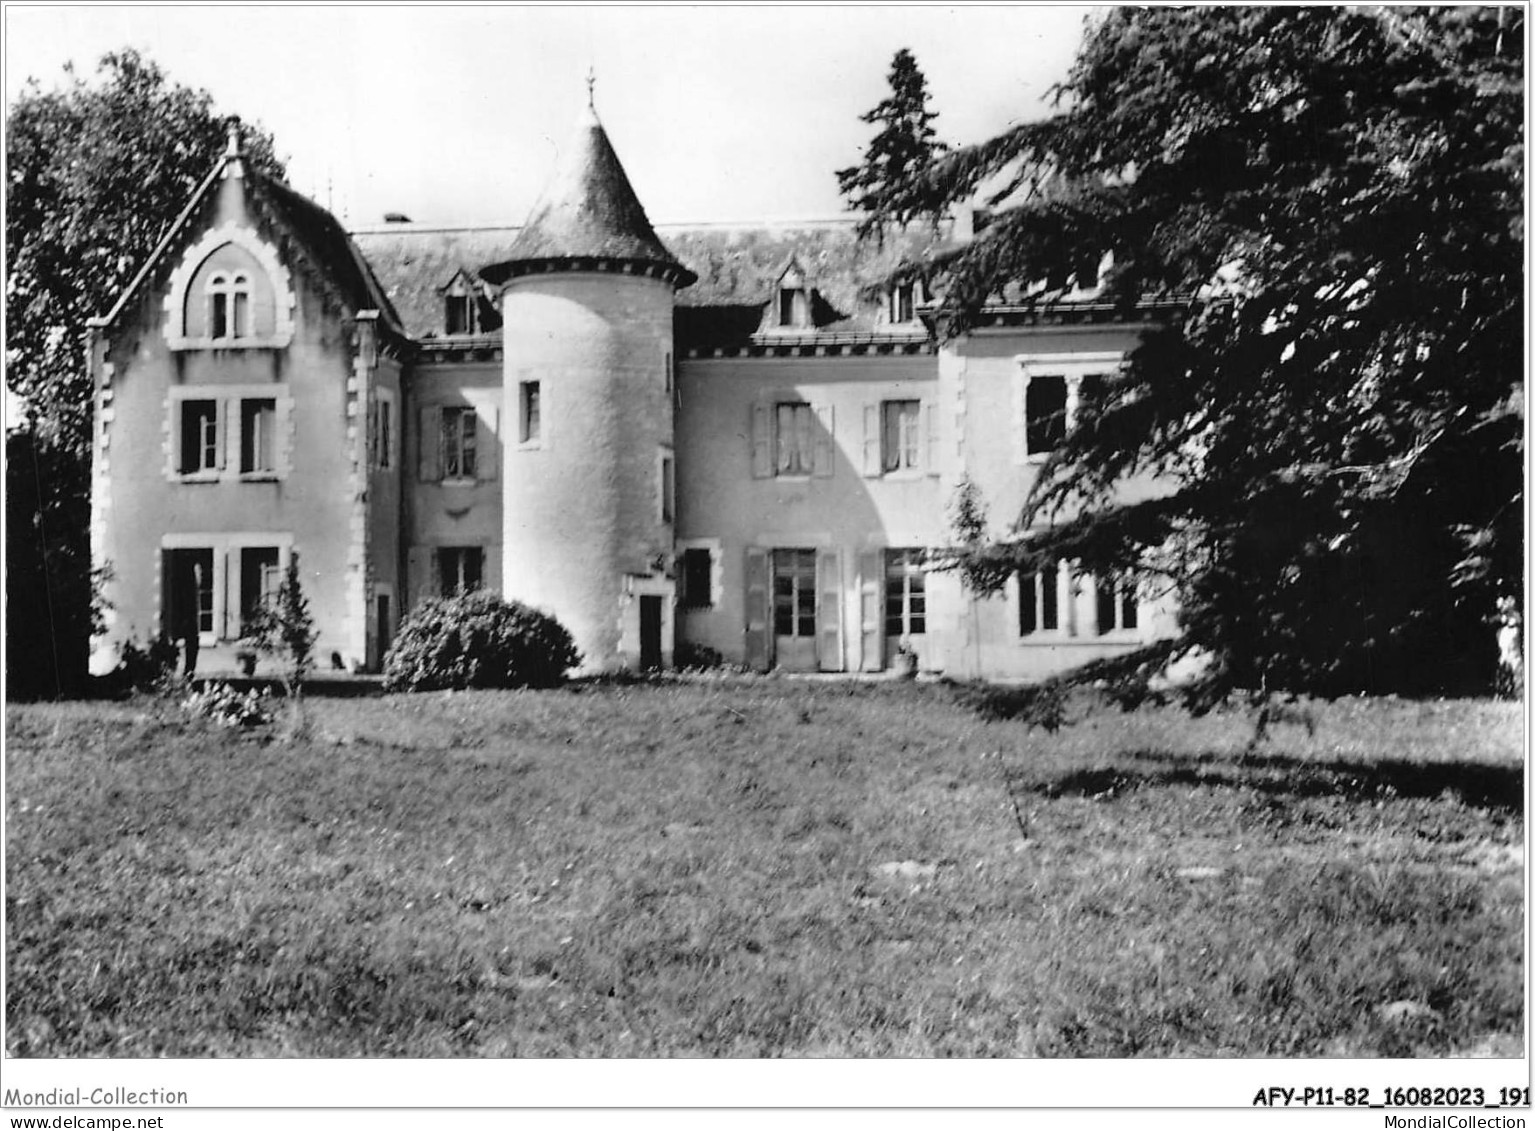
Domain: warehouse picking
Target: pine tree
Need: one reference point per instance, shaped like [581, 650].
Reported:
[1336, 194]
[905, 146]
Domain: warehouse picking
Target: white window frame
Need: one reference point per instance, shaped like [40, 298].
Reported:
[267, 262]
[226, 572]
[806, 452]
[1064, 584]
[460, 551]
[1126, 595]
[1073, 368]
[909, 438]
[229, 425]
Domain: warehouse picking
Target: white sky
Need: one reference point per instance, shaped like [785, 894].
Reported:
[452, 114]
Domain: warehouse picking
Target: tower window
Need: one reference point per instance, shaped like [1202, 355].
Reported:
[530, 411]
[668, 489]
[697, 579]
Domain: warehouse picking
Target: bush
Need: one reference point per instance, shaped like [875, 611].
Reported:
[227, 707]
[697, 657]
[478, 640]
[148, 668]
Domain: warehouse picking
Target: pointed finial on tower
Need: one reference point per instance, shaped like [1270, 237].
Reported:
[591, 87]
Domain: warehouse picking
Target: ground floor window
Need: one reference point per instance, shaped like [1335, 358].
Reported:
[259, 579]
[460, 569]
[905, 594]
[1117, 611]
[794, 593]
[697, 576]
[1039, 594]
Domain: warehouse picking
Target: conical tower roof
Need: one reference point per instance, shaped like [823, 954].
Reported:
[589, 218]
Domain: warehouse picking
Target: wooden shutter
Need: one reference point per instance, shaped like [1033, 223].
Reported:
[224, 435]
[282, 439]
[871, 440]
[758, 615]
[430, 443]
[871, 568]
[930, 448]
[829, 611]
[487, 442]
[825, 442]
[762, 440]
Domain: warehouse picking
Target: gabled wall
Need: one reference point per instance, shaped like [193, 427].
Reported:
[148, 365]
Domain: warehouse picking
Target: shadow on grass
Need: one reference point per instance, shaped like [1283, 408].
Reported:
[1496, 789]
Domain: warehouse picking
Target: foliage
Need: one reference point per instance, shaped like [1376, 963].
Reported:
[150, 667]
[95, 173]
[478, 640]
[222, 704]
[1336, 195]
[692, 656]
[906, 144]
[51, 591]
[283, 627]
[693, 868]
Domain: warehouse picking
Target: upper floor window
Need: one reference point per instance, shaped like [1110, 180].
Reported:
[903, 302]
[1048, 397]
[238, 434]
[901, 435]
[1045, 413]
[459, 443]
[229, 306]
[258, 435]
[200, 449]
[793, 439]
[668, 488]
[793, 299]
[459, 314]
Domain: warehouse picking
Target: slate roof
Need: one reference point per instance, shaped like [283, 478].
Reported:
[737, 265]
[589, 211]
[333, 248]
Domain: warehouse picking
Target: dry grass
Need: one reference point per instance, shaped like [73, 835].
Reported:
[695, 869]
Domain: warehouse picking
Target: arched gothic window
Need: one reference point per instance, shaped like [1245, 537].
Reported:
[229, 306]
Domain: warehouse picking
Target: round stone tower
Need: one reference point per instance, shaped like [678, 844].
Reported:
[587, 425]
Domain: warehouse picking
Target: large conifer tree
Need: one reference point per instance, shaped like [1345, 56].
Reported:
[905, 146]
[1337, 194]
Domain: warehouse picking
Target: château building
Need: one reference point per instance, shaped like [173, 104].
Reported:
[715, 436]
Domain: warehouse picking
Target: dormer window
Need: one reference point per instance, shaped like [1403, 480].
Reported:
[903, 302]
[229, 300]
[464, 310]
[792, 308]
[460, 314]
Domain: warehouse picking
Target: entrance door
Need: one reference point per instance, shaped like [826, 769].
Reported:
[794, 610]
[650, 632]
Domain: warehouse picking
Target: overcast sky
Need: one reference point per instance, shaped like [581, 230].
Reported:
[452, 115]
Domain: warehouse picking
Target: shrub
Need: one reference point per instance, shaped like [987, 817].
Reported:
[478, 640]
[282, 627]
[227, 707]
[697, 657]
[148, 668]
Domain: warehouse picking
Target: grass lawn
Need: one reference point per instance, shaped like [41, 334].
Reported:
[762, 867]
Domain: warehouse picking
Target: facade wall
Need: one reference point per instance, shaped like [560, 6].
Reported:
[145, 505]
[444, 511]
[855, 511]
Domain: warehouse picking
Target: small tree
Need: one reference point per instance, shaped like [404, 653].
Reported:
[905, 145]
[282, 627]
